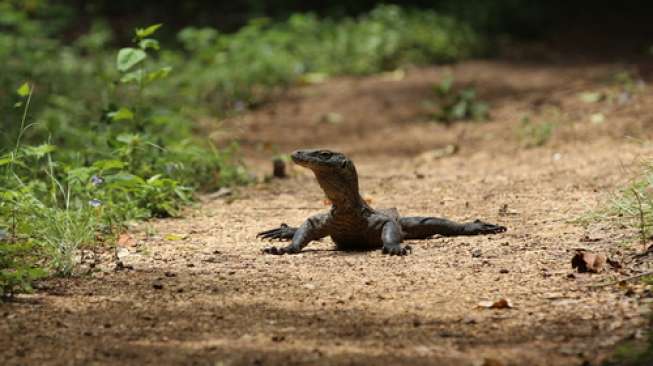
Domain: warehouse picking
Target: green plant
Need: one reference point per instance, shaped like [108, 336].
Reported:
[534, 134]
[457, 104]
[247, 66]
[634, 204]
[18, 268]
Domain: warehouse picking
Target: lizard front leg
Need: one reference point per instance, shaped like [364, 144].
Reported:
[315, 227]
[391, 237]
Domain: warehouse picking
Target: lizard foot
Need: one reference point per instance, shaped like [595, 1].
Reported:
[280, 250]
[478, 227]
[397, 249]
[283, 232]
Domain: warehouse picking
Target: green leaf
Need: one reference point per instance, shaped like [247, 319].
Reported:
[129, 139]
[128, 57]
[158, 74]
[154, 178]
[148, 43]
[122, 114]
[144, 32]
[134, 76]
[123, 179]
[6, 160]
[109, 164]
[39, 151]
[24, 90]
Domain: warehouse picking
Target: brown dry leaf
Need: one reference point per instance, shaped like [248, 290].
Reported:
[125, 240]
[499, 304]
[588, 262]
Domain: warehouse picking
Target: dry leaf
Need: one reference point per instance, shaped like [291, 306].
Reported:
[499, 304]
[125, 240]
[173, 237]
[588, 262]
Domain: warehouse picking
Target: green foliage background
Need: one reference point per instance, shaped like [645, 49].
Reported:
[98, 129]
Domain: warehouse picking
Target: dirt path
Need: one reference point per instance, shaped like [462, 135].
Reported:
[201, 293]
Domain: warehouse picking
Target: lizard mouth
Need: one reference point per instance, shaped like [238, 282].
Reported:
[298, 157]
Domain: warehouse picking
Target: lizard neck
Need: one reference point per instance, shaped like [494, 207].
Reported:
[342, 191]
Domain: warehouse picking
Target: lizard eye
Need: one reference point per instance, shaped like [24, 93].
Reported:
[325, 155]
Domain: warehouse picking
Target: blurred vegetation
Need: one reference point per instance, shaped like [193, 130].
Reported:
[457, 104]
[534, 134]
[98, 130]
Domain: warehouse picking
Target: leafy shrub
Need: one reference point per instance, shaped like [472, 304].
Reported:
[129, 165]
[248, 65]
[534, 134]
[454, 104]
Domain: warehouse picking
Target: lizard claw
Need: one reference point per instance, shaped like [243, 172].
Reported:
[274, 251]
[280, 250]
[478, 227]
[283, 232]
[397, 250]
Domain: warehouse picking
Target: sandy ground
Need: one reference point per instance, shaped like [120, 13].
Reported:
[197, 290]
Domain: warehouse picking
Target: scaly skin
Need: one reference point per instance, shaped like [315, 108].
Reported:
[351, 223]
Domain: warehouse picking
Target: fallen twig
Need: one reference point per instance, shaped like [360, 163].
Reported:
[624, 279]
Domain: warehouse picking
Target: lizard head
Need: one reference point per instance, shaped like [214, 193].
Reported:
[334, 171]
[319, 160]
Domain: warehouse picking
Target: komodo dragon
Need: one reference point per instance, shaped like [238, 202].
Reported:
[352, 223]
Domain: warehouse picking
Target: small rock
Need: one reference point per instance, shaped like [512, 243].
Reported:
[505, 211]
[278, 338]
[170, 274]
[476, 253]
[157, 285]
[503, 270]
